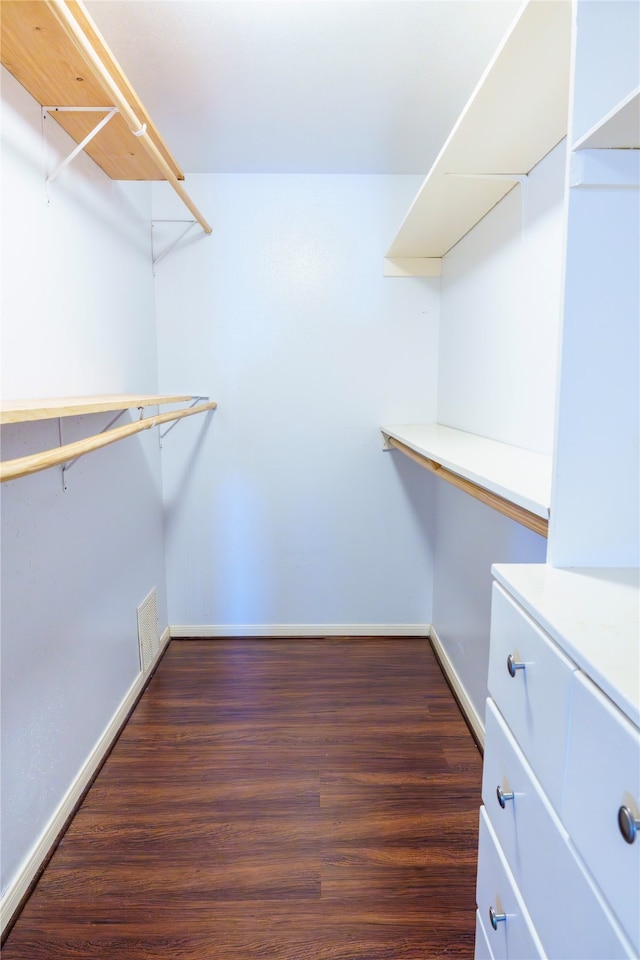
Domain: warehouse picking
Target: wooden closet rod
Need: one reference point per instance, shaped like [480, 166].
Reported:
[23, 466]
[512, 510]
[138, 129]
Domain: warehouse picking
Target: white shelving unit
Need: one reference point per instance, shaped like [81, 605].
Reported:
[519, 479]
[516, 115]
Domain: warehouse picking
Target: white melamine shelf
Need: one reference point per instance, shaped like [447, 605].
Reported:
[21, 411]
[516, 115]
[520, 478]
[594, 614]
[618, 130]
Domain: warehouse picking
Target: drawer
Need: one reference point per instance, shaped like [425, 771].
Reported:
[483, 950]
[603, 775]
[570, 916]
[514, 938]
[535, 700]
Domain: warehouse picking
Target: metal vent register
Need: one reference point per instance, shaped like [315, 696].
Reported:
[148, 632]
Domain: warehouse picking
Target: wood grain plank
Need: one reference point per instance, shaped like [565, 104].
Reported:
[273, 799]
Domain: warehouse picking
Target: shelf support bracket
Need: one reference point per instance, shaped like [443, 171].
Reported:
[67, 466]
[194, 402]
[190, 225]
[110, 112]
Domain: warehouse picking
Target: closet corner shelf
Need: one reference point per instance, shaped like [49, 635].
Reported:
[22, 411]
[515, 116]
[55, 50]
[514, 481]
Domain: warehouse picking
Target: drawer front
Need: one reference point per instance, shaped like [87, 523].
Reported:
[514, 938]
[603, 774]
[569, 914]
[535, 700]
[483, 950]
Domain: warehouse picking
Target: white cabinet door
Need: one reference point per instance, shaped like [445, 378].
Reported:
[603, 775]
[534, 695]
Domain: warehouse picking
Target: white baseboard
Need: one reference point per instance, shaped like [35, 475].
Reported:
[19, 886]
[466, 705]
[257, 631]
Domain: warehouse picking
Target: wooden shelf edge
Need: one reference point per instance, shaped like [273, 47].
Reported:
[24, 466]
[23, 411]
[506, 507]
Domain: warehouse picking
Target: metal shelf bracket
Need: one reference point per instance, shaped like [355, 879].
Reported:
[109, 111]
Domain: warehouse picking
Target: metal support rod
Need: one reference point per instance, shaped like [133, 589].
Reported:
[161, 256]
[194, 401]
[111, 112]
[67, 466]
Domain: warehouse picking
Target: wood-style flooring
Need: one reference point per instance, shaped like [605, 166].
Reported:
[290, 800]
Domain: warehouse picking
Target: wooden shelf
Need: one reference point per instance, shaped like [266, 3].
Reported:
[516, 115]
[514, 481]
[55, 50]
[618, 130]
[21, 411]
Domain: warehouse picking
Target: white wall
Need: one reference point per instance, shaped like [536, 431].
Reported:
[77, 318]
[500, 317]
[289, 513]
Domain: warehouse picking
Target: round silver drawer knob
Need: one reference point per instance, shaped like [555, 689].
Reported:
[496, 918]
[514, 665]
[503, 797]
[629, 825]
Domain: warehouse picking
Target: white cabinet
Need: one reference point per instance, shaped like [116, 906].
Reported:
[561, 760]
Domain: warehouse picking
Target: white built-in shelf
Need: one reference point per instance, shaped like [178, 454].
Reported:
[516, 115]
[618, 130]
[594, 614]
[20, 411]
[515, 481]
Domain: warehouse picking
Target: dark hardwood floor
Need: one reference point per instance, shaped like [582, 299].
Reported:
[291, 800]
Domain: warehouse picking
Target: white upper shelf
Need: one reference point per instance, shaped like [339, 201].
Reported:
[517, 475]
[515, 116]
[619, 129]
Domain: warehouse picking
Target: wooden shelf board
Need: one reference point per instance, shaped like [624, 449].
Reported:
[21, 411]
[519, 477]
[35, 48]
[516, 115]
[618, 130]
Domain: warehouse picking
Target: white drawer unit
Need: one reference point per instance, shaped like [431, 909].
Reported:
[602, 803]
[509, 928]
[530, 680]
[560, 825]
[569, 913]
[483, 950]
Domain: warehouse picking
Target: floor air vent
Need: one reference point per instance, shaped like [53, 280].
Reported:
[148, 632]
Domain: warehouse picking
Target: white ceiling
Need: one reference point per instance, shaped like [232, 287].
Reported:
[303, 86]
